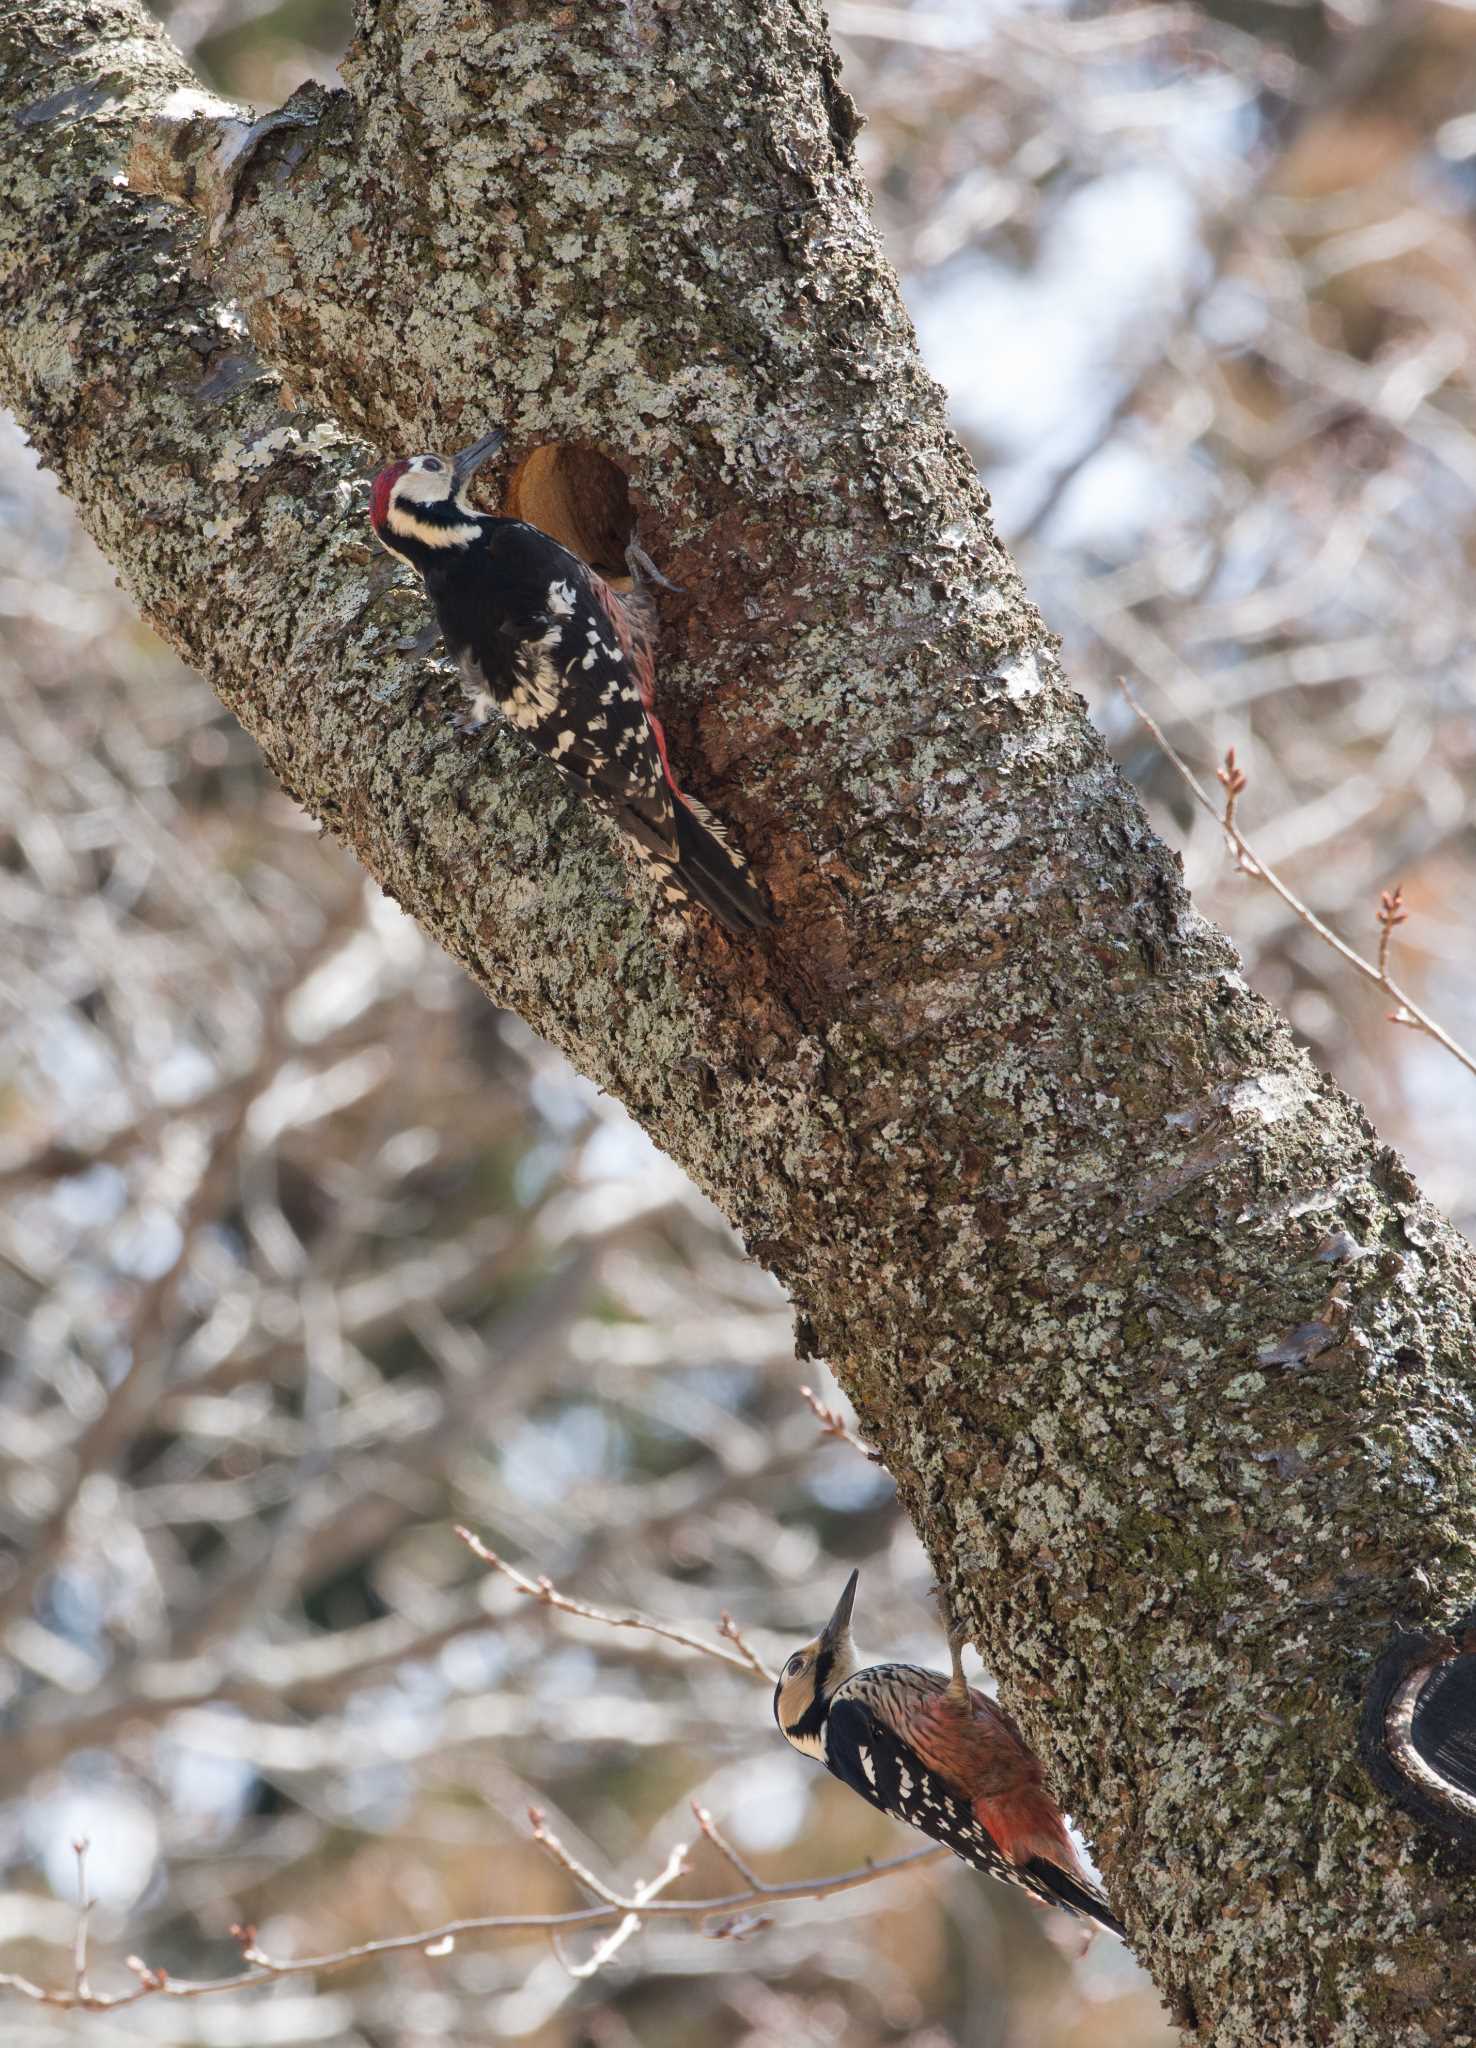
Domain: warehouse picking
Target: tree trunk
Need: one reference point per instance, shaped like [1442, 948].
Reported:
[1170, 1363]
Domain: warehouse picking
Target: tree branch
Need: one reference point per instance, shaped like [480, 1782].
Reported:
[1391, 911]
[741, 1658]
[626, 1912]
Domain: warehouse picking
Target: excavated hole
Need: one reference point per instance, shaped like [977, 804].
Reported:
[580, 498]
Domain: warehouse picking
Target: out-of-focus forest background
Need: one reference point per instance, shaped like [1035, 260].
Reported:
[306, 1254]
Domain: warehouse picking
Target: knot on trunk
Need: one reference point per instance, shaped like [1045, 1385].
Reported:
[199, 150]
[1417, 1735]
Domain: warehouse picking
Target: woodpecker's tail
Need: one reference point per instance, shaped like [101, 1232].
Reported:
[1049, 1881]
[712, 874]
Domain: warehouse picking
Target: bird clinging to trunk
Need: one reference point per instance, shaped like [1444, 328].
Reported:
[935, 1753]
[568, 661]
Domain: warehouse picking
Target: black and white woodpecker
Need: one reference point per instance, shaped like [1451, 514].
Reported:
[933, 1752]
[570, 662]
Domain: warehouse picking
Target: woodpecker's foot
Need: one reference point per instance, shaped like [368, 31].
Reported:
[466, 722]
[957, 1694]
[644, 570]
[421, 642]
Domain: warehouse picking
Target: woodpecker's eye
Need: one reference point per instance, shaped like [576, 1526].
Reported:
[795, 1665]
[433, 462]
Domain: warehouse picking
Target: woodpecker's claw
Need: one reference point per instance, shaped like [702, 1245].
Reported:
[957, 1693]
[644, 570]
[467, 723]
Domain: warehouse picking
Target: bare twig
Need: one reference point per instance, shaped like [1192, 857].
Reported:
[80, 1986]
[1233, 780]
[547, 1594]
[441, 1941]
[730, 1631]
[833, 1423]
[725, 1848]
[1407, 1012]
[674, 1867]
[1391, 912]
[570, 1862]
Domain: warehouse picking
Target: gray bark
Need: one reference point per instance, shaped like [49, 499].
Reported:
[1048, 1185]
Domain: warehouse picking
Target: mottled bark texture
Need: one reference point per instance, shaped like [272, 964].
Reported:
[1173, 1368]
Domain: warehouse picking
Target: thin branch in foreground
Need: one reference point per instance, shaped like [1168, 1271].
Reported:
[671, 1870]
[80, 1985]
[833, 1423]
[1407, 1011]
[730, 1632]
[1391, 912]
[741, 1658]
[441, 1941]
[1234, 781]
[725, 1848]
[674, 1867]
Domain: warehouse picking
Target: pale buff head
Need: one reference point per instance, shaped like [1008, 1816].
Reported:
[812, 1675]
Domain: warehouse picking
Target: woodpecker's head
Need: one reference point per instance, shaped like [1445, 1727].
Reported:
[420, 503]
[810, 1678]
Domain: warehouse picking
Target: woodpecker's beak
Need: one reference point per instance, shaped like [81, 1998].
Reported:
[838, 1627]
[465, 465]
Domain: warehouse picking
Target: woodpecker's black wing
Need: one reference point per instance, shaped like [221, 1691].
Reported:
[670, 833]
[626, 784]
[866, 1754]
[870, 1756]
[714, 873]
[586, 714]
[1059, 1888]
[569, 664]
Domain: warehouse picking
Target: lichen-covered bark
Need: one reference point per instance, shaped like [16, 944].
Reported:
[1173, 1368]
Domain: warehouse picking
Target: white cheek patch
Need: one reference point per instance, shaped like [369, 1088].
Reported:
[430, 533]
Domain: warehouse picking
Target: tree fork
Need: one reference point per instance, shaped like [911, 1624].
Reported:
[1171, 1364]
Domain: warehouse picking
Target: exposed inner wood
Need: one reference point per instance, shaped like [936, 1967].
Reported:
[578, 496]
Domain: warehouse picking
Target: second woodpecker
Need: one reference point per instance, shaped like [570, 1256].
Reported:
[567, 660]
[935, 1753]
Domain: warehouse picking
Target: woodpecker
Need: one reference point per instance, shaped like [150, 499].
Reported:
[935, 1753]
[568, 661]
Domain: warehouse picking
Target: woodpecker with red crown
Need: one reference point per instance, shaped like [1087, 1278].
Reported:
[935, 1753]
[568, 661]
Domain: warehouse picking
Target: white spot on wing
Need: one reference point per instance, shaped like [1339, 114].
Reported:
[538, 696]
